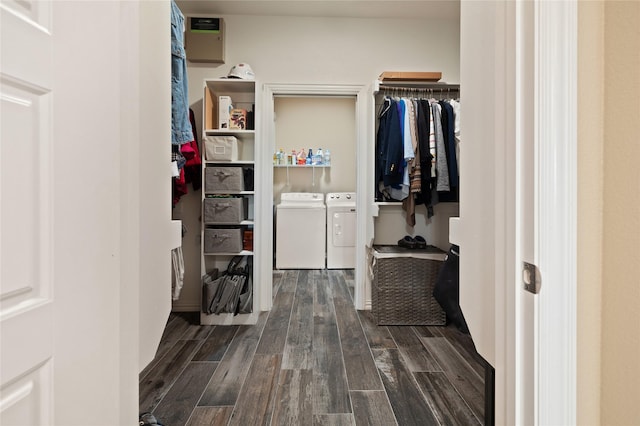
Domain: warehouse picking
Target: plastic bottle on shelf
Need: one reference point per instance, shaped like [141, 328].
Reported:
[309, 157]
[327, 157]
[302, 158]
[283, 158]
[276, 158]
[294, 157]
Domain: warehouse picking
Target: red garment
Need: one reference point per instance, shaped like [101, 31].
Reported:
[179, 187]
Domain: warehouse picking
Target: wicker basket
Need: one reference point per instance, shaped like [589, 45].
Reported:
[402, 290]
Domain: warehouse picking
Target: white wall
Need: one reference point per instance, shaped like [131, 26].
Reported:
[315, 50]
[112, 228]
[313, 122]
[152, 192]
[486, 226]
[621, 216]
[86, 216]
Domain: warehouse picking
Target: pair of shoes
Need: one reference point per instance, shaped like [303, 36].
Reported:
[148, 419]
[413, 243]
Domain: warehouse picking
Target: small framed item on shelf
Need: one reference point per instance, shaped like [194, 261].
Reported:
[238, 119]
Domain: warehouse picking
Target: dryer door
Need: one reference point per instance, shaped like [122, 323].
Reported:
[343, 228]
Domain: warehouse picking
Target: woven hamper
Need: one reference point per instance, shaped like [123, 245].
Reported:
[402, 290]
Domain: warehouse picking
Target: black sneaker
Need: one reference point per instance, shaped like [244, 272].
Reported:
[148, 419]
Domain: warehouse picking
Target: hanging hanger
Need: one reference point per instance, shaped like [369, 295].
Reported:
[385, 106]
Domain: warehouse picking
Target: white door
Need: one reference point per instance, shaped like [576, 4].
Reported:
[26, 245]
[546, 43]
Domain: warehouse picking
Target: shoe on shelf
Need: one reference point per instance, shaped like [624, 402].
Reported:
[421, 243]
[407, 242]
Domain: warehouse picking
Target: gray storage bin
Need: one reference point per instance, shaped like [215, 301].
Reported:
[223, 179]
[226, 240]
[225, 210]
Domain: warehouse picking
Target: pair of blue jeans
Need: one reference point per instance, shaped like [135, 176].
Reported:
[180, 125]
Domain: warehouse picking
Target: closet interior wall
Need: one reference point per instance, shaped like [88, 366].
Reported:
[390, 224]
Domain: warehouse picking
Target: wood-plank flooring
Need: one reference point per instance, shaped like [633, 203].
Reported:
[313, 360]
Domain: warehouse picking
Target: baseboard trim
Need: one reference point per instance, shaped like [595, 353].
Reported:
[185, 307]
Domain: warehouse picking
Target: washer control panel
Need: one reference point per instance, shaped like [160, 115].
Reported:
[341, 197]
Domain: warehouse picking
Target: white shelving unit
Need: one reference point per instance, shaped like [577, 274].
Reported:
[243, 95]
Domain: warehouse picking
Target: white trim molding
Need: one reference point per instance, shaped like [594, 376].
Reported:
[556, 207]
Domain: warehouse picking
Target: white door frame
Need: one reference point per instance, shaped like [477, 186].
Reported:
[265, 183]
[491, 289]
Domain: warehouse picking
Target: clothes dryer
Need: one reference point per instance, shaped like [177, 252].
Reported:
[300, 231]
[341, 230]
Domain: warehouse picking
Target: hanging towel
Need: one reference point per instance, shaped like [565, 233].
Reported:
[178, 272]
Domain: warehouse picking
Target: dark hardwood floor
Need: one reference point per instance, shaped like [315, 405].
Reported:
[313, 360]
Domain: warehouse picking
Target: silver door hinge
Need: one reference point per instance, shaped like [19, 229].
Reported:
[531, 277]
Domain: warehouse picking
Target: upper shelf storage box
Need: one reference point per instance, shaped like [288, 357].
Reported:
[410, 76]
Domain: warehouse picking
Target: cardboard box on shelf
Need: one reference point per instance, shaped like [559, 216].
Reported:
[224, 111]
[238, 119]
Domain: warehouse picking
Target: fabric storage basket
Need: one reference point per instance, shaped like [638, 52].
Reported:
[223, 179]
[221, 148]
[228, 240]
[403, 282]
[225, 209]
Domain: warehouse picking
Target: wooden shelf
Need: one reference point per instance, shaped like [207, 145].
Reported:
[231, 163]
[242, 223]
[231, 193]
[229, 132]
[301, 166]
[410, 76]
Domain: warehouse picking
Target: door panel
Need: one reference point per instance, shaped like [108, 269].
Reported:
[26, 258]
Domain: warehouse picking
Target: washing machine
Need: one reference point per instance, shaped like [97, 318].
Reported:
[301, 231]
[341, 230]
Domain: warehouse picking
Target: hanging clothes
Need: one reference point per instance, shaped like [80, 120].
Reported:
[456, 126]
[442, 169]
[417, 153]
[450, 142]
[427, 171]
[189, 162]
[180, 126]
[389, 149]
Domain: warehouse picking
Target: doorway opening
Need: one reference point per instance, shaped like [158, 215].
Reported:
[290, 100]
